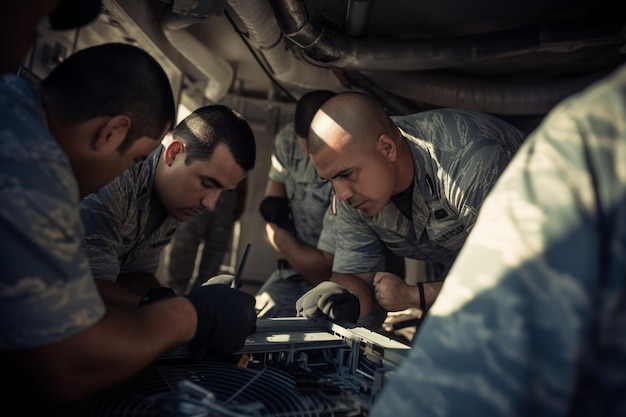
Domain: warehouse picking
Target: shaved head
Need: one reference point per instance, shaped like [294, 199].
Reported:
[347, 118]
[354, 144]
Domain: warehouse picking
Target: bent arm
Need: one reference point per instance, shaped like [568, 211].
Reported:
[274, 189]
[393, 294]
[138, 283]
[312, 263]
[114, 294]
[128, 289]
[114, 349]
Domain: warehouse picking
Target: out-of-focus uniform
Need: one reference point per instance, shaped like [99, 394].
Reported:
[309, 197]
[532, 317]
[46, 289]
[458, 155]
[126, 227]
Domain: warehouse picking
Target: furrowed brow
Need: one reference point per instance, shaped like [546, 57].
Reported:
[342, 173]
[212, 180]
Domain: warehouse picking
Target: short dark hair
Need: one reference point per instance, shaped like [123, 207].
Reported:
[209, 126]
[306, 108]
[109, 80]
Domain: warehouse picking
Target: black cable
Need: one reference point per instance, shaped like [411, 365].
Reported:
[420, 287]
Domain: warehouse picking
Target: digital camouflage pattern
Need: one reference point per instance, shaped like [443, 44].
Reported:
[458, 155]
[532, 317]
[46, 290]
[126, 228]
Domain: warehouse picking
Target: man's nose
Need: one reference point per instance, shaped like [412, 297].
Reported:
[209, 200]
[342, 191]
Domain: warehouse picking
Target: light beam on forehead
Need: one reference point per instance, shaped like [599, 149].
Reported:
[326, 132]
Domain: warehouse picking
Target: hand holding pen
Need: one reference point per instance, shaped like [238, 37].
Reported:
[225, 316]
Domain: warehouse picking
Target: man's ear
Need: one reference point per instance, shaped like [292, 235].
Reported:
[387, 146]
[173, 150]
[112, 134]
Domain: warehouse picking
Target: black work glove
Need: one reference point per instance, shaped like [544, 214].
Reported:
[276, 210]
[329, 300]
[225, 318]
[156, 294]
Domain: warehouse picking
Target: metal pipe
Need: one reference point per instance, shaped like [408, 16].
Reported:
[337, 50]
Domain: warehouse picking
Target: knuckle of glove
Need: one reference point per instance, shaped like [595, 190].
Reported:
[348, 310]
[225, 318]
[318, 302]
[339, 304]
[306, 306]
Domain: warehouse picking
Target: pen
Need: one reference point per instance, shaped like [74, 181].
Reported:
[237, 281]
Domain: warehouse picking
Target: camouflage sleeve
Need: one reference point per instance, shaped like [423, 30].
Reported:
[46, 292]
[358, 248]
[104, 217]
[513, 325]
[281, 154]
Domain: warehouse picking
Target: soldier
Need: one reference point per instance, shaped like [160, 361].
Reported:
[68, 135]
[294, 207]
[299, 224]
[130, 221]
[413, 184]
[531, 319]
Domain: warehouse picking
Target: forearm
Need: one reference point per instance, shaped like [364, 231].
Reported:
[138, 283]
[116, 295]
[431, 291]
[413, 298]
[311, 263]
[114, 349]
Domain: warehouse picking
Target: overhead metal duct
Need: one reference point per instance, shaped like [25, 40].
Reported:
[504, 98]
[266, 35]
[407, 57]
[339, 51]
[218, 72]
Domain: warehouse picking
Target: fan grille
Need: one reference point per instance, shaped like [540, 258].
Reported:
[238, 391]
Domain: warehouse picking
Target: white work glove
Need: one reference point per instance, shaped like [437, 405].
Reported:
[331, 300]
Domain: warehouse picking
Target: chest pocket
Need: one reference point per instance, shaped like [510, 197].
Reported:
[443, 226]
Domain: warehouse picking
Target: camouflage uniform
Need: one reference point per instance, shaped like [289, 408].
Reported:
[126, 228]
[458, 155]
[214, 228]
[46, 290]
[532, 317]
[309, 197]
